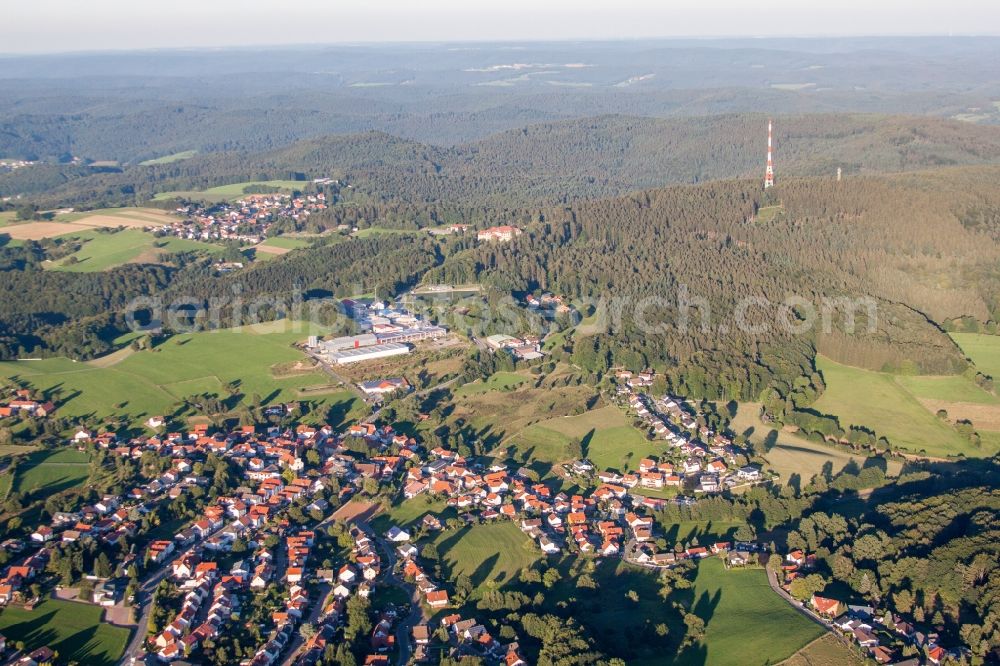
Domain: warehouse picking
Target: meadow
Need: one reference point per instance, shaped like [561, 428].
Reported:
[52, 471]
[286, 242]
[879, 401]
[984, 350]
[490, 555]
[824, 651]
[231, 191]
[73, 629]
[170, 159]
[741, 613]
[150, 382]
[102, 250]
[792, 453]
[499, 381]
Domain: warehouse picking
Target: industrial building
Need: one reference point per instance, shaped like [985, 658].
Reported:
[355, 355]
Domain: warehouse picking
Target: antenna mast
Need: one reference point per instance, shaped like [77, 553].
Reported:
[769, 173]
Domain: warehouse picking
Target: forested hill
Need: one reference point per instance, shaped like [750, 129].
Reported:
[549, 163]
[895, 239]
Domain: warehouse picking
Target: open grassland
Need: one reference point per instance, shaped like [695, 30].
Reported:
[497, 382]
[75, 223]
[878, 401]
[233, 190]
[52, 471]
[102, 251]
[824, 651]
[984, 350]
[790, 453]
[285, 243]
[498, 416]
[150, 382]
[73, 629]
[490, 555]
[743, 617]
[607, 438]
[170, 159]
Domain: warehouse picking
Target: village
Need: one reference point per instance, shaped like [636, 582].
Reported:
[289, 484]
[247, 220]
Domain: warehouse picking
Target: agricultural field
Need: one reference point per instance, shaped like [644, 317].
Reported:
[878, 401]
[984, 350]
[79, 222]
[232, 191]
[741, 613]
[73, 629]
[490, 555]
[102, 251]
[170, 159]
[150, 382]
[52, 471]
[793, 454]
[824, 651]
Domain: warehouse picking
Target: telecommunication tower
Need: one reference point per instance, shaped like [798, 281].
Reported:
[769, 173]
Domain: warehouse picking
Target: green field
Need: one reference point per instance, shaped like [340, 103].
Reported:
[52, 471]
[149, 382]
[287, 242]
[606, 436]
[984, 350]
[744, 617]
[824, 651]
[72, 629]
[496, 382]
[490, 555]
[102, 251]
[232, 191]
[952, 388]
[878, 401]
[382, 231]
[794, 454]
[169, 159]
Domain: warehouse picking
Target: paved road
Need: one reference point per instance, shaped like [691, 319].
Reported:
[404, 627]
[772, 580]
[146, 589]
[143, 597]
[293, 647]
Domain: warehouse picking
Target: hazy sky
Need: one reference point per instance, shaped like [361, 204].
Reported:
[70, 25]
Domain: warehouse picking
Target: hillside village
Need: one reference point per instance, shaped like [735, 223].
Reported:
[286, 485]
[247, 220]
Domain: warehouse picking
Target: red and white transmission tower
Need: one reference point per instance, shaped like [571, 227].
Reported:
[769, 173]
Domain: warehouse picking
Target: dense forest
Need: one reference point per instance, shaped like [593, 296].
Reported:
[691, 279]
[542, 164]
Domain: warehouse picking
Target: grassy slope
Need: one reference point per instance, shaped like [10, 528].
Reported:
[52, 471]
[102, 251]
[876, 400]
[490, 555]
[984, 350]
[496, 382]
[824, 651]
[792, 453]
[286, 242]
[744, 619]
[608, 439]
[233, 190]
[169, 159]
[148, 382]
[74, 630]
